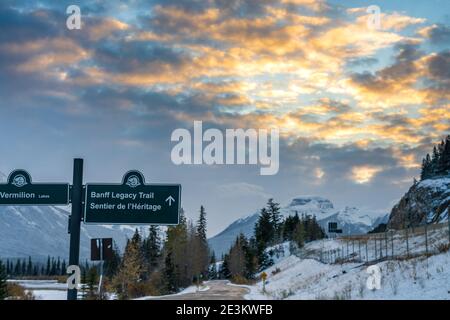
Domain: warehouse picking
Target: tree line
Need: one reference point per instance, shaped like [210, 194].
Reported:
[248, 256]
[28, 268]
[157, 265]
[438, 163]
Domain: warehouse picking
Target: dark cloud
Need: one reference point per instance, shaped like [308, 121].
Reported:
[439, 67]
[403, 68]
[440, 34]
[139, 56]
[362, 62]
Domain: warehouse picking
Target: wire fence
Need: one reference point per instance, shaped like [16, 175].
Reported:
[375, 247]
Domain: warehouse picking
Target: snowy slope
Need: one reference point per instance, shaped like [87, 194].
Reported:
[222, 242]
[294, 278]
[41, 231]
[427, 201]
[351, 219]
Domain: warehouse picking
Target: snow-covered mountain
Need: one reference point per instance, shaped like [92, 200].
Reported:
[42, 231]
[351, 220]
[427, 201]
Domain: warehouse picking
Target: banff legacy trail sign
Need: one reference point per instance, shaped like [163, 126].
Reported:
[132, 202]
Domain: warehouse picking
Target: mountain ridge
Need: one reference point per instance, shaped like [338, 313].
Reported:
[350, 219]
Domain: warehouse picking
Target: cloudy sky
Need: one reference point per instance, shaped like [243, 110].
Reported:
[357, 107]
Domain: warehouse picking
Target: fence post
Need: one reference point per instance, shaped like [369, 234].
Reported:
[359, 249]
[348, 241]
[407, 243]
[386, 242]
[376, 252]
[392, 243]
[353, 247]
[367, 251]
[381, 248]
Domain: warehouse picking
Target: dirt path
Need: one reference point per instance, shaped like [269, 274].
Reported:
[218, 290]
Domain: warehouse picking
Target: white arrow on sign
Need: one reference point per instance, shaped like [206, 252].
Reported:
[170, 199]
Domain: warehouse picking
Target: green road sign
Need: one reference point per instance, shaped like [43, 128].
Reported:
[132, 202]
[19, 190]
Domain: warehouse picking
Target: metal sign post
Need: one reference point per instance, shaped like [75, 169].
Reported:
[75, 219]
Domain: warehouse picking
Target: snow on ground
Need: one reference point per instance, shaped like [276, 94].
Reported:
[49, 294]
[191, 289]
[295, 278]
[44, 289]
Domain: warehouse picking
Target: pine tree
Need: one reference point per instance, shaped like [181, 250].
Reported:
[8, 268]
[237, 258]
[3, 286]
[445, 157]
[170, 277]
[212, 270]
[201, 225]
[264, 230]
[299, 234]
[47, 270]
[63, 268]
[152, 249]
[200, 246]
[131, 269]
[23, 271]
[29, 267]
[177, 244]
[92, 281]
[225, 268]
[112, 265]
[275, 218]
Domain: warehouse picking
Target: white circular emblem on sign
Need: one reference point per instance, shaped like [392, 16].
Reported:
[133, 181]
[19, 181]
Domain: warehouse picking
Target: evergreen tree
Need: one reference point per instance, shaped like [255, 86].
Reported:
[63, 268]
[225, 268]
[273, 209]
[131, 269]
[17, 268]
[212, 270]
[444, 164]
[152, 248]
[264, 235]
[92, 281]
[199, 243]
[29, 267]
[112, 265]
[47, 270]
[58, 267]
[201, 225]
[177, 244]
[23, 271]
[3, 286]
[170, 274]
[8, 268]
[439, 163]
